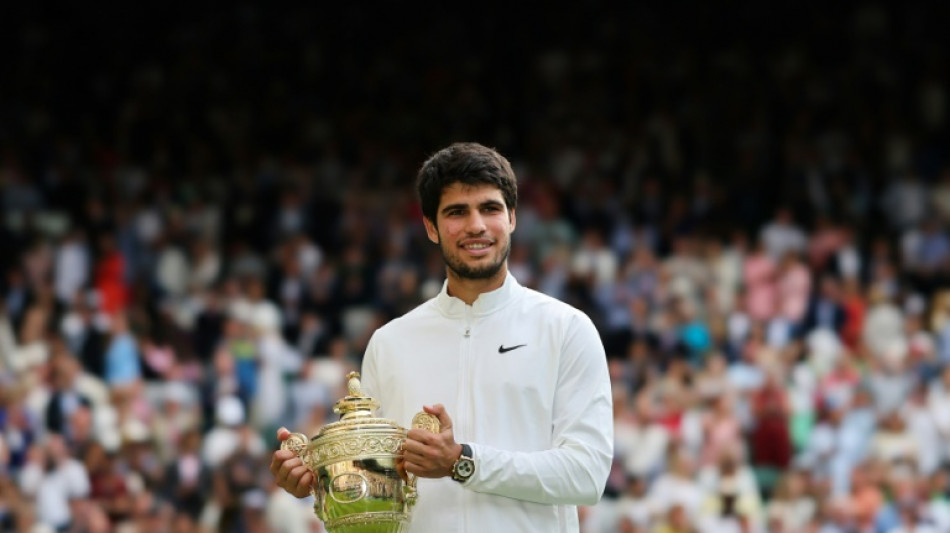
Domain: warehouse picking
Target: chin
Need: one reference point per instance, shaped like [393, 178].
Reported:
[468, 271]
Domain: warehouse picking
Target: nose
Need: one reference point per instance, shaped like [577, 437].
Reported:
[476, 224]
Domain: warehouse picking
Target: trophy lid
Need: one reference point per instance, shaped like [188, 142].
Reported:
[358, 412]
[355, 404]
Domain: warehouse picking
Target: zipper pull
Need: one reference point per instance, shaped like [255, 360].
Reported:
[468, 332]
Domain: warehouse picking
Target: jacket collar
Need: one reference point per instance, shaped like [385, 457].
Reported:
[486, 303]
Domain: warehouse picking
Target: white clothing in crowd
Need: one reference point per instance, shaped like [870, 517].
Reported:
[72, 267]
[66, 482]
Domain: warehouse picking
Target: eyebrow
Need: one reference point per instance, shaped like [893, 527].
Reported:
[486, 203]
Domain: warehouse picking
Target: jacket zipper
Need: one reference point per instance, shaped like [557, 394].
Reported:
[465, 397]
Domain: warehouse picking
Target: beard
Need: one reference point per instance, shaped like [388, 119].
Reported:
[464, 271]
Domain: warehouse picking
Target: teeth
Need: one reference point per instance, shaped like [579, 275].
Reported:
[476, 246]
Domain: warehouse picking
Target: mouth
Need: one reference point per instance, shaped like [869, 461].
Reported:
[477, 247]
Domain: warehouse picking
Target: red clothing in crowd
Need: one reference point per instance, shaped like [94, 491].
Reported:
[110, 283]
[854, 311]
[771, 440]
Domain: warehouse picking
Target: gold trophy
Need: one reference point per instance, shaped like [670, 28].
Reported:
[357, 488]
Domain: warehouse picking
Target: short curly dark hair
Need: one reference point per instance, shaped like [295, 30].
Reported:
[467, 163]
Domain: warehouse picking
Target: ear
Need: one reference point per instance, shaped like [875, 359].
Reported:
[431, 230]
[513, 219]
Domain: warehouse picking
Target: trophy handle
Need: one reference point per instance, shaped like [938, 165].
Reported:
[422, 420]
[296, 442]
[409, 489]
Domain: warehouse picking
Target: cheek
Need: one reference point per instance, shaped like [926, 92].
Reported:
[502, 228]
[447, 232]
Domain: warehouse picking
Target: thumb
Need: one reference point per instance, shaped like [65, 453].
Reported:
[282, 434]
[438, 410]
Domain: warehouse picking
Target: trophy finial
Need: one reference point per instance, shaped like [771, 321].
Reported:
[355, 404]
[353, 387]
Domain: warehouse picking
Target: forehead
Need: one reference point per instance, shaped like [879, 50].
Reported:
[463, 193]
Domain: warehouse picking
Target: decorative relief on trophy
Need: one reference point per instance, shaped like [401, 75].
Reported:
[357, 487]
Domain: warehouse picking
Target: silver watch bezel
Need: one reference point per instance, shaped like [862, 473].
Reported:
[463, 459]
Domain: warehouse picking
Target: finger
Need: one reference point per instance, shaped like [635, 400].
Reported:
[401, 469]
[298, 482]
[295, 475]
[423, 436]
[418, 459]
[414, 468]
[281, 474]
[420, 451]
[285, 455]
[287, 468]
[424, 449]
[304, 484]
[439, 411]
[283, 433]
[278, 458]
[421, 470]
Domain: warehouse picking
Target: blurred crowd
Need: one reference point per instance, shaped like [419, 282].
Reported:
[198, 241]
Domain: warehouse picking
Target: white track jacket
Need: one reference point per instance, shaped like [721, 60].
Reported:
[524, 378]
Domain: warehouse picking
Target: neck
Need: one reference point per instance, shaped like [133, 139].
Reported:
[467, 289]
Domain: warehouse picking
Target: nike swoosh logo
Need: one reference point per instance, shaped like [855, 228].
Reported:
[502, 349]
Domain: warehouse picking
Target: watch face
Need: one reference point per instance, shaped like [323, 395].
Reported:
[465, 468]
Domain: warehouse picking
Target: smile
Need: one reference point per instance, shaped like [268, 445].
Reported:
[478, 248]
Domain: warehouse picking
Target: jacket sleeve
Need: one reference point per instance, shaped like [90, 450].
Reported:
[574, 471]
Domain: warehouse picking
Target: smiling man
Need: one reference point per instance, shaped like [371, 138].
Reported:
[473, 231]
[517, 379]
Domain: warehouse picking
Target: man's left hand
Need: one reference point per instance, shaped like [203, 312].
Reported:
[431, 455]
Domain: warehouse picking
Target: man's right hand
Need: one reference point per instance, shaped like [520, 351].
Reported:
[289, 471]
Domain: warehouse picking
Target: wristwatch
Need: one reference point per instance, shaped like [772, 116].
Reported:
[464, 467]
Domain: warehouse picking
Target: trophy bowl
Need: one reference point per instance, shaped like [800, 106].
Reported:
[357, 487]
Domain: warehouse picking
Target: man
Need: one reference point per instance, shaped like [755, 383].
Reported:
[63, 487]
[518, 380]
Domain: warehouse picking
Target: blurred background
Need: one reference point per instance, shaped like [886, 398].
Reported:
[206, 213]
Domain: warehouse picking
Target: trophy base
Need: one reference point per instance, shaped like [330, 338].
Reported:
[372, 522]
